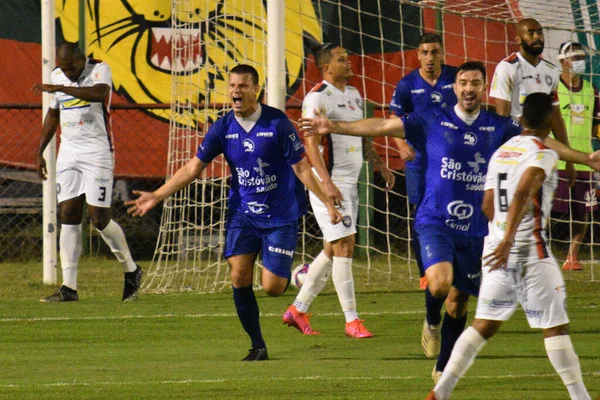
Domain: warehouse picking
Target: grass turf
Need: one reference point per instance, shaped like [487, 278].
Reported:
[188, 346]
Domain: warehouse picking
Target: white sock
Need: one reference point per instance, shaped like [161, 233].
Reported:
[468, 345]
[70, 251]
[566, 363]
[315, 280]
[344, 285]
[115, 239]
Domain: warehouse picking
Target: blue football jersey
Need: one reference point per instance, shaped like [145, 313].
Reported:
[412, 94]
[263, 184]
[457, 157]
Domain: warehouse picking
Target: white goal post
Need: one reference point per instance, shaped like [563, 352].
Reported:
[210, 37]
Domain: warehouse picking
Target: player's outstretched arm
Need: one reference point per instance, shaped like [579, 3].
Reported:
[370, 127]
[148, 200]
[529, 184]
[304, 172]
[570, 155]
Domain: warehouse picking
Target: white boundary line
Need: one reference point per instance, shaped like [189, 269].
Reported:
[270, 379]
[211, 315]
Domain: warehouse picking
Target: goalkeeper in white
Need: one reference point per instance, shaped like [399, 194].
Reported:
[518, 265]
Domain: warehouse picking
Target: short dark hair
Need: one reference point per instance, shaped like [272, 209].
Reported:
[537, 107]
[243, 69]
[69, 50]
[431, 38]
[323, 54]
[471, 66]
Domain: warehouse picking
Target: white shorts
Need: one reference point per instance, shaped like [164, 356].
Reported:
[89, 174]
[349, 210]
[537, 285]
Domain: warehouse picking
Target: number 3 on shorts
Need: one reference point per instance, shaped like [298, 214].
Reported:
[102, 193]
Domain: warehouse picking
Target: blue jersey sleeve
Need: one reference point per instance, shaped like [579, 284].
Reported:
[211, 145]
[293, 149]
[513, 128]
[414, 127]
[401, 102]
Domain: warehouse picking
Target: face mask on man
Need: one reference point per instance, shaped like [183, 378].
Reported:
[578, 67]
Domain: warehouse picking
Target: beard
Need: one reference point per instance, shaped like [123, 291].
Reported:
[534, 51]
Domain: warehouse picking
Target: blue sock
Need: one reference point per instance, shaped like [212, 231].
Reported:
[247, 310]
[451, 330]
[434, 308]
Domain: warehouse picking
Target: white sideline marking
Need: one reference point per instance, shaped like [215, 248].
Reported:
[207, 315]
[270, 379]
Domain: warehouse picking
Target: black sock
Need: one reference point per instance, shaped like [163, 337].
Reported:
[247, 310]
[433, 306]
[451, 330]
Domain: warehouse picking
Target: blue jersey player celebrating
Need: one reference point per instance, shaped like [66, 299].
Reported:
[459, 142]
[431, 86]
[266, 198]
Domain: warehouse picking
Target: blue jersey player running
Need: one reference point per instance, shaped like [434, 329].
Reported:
[266, 198]
[429, 87]
[459, 141]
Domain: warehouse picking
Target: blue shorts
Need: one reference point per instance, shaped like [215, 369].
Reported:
[278, 244]
[464, 253]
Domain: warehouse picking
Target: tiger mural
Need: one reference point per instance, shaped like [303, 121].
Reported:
[136, 37]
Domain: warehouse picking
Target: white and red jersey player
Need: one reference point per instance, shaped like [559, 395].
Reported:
[506, 167]
[343, 154]
[515, 78]
[531, 277]
[85, 161]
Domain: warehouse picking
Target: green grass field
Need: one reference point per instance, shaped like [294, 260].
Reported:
[186, 346]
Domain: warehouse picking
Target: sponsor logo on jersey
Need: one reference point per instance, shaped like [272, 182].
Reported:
[81, 122]
[417, 91]
[509, 154]
[460, 209]
[470, 139]
[453, 170]
[359, 103]
[475, 164]
[248, 145]
[436, 97]
[289, 253]
[341, 105]
[448, 125]
[448, 86]
[264, 134]
[257, 208]
[231, 136]
[354, 149]
[487, 128]
[261, 166]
